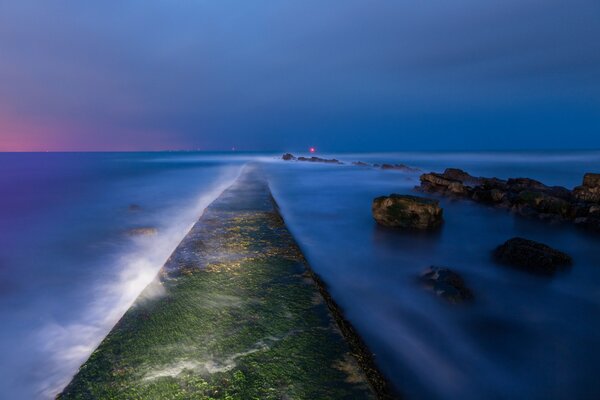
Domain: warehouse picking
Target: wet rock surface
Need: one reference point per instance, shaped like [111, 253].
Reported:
[446, 284]
[408, 212]
[240, 315]
[531, 256]
[589, 191]
[523, 196]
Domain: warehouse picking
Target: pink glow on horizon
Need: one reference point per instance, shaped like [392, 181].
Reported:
[38, 136]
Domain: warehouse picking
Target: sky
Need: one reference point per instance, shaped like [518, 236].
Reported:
[340, 75]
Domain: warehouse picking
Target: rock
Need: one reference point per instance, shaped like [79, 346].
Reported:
[360, 164]
[134, 207]
[544, 203]
[405, 211]
[531, 256]
[142, 231]
[291, 157]
[446, 284]
[491, 196]
[590, 190]
[460, 175]
[591, 180]
[399, 167]
[319, 159]
[524, 196]
[438, 183]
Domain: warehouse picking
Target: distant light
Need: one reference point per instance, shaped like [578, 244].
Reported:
[312, 149]
[233, 148]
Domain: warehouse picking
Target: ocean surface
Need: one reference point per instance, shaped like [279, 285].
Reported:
[70, 265]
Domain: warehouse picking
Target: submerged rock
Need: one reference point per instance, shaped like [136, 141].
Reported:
[406, 211]
[134, 207]
[399, 167]
[360, 164]
[531, 256]
[142, 231]
[446, 284]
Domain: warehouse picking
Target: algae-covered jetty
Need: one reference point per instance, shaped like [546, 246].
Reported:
[241, 316]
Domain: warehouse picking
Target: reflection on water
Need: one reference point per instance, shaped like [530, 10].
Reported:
[68, 269]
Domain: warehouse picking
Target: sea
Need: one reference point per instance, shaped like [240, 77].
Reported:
[81, 234]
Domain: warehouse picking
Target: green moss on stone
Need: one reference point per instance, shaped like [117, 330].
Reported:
[241, 319]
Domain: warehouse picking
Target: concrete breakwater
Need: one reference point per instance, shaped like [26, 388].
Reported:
[235, 313]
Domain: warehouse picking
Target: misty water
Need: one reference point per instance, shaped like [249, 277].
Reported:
[69, 269]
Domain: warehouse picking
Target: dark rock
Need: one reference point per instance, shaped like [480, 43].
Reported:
[543, 203]
[590, 190]
[531, 256]
[591, 180]
[460, 175]
[446, 284]
[439, 183]
[405, 211]
[134, 207]
[518, 184]
[399, 167]
[524, 196]
[319, 159]
[360, 164]
[288, 157]
[492, 196]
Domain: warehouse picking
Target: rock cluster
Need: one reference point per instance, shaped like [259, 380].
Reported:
[531, 256]
[524, 196]
[397, 167]
[446, 284]
[406, 211]
[291, 157]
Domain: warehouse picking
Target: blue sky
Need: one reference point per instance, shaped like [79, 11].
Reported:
[282, 75]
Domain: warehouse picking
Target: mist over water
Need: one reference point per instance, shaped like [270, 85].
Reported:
[523, 337]
[69, 269]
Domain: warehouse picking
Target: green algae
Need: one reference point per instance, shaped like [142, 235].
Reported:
[240, 318]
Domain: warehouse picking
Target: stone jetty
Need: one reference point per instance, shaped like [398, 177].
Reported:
[241, 316]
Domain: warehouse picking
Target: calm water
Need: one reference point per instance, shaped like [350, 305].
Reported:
[68, 270]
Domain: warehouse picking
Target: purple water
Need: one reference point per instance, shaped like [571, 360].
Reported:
[68, 270]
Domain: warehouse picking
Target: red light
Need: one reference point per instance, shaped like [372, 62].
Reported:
[312, 149]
